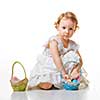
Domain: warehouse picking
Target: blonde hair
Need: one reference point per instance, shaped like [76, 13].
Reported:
[67, 15]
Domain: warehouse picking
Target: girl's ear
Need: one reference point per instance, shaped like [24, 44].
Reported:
[76, 28]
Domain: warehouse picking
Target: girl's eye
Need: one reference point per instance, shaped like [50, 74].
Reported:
[70, 29]
[64, 27]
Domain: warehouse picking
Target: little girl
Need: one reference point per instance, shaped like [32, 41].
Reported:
[59, 58]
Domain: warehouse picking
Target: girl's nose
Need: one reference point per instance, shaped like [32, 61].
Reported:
[66, 30]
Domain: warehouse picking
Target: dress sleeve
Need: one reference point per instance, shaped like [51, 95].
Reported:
[60, 45]
[74, 46]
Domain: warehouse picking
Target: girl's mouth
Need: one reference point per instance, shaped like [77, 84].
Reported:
[65, 36]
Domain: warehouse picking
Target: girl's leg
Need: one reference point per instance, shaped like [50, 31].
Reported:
[45, 85]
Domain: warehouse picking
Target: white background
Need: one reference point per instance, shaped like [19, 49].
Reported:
[26, 24]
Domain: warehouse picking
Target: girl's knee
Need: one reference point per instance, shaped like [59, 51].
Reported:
[45, 86]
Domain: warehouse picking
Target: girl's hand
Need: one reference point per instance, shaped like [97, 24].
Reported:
[66, 78]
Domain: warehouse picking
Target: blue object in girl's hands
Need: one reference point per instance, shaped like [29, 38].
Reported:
[73, 85]
[74, 81]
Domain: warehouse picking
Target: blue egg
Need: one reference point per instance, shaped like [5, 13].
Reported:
[74, 81]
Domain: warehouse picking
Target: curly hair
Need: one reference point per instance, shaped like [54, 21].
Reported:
[67, 15]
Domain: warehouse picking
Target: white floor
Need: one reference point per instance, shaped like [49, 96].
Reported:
[87, 94]
[92, 92]
[50, 95]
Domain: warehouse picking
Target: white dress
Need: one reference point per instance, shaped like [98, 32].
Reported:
[45, 69]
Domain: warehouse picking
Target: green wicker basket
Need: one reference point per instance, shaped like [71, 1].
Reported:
[19, 85]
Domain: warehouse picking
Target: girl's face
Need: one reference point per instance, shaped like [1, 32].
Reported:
[66, 28]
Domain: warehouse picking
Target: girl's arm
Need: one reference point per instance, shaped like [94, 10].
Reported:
[76, 70]
[81, 62]
[53, 45]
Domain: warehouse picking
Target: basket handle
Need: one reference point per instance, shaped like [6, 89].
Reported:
[21, 66]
